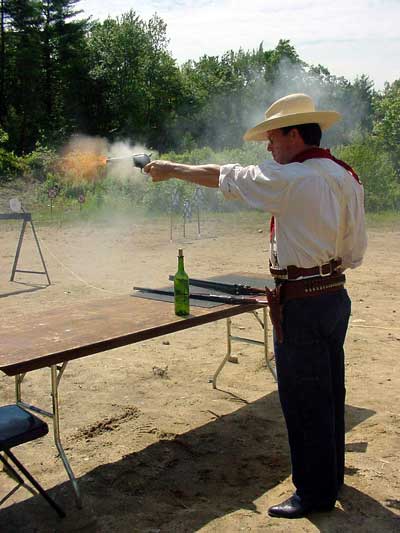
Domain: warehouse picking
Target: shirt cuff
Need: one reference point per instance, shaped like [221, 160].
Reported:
[226, 177]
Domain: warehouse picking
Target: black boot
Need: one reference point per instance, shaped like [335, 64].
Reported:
[294, 508]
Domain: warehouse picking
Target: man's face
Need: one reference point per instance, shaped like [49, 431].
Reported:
[282, 147]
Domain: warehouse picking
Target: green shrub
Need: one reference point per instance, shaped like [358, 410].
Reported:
[41, 162]
[249, 154]
[374, 166]
[172, 194]
[11, 166]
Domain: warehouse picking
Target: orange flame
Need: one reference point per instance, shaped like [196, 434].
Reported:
[82, 166]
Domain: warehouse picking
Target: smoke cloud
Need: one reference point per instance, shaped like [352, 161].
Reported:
[84, 158]
[328, 93]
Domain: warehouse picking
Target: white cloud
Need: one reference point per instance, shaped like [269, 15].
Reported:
[350, 38]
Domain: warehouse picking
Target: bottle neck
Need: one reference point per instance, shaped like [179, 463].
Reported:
[181, 265]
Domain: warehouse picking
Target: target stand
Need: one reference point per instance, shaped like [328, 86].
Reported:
[26, 218]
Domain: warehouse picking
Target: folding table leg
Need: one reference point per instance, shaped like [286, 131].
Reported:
[228, 352]
[56, 374]
[228, 357]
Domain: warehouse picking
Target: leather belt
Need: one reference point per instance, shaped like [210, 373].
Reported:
[291, 290]
[293, 272]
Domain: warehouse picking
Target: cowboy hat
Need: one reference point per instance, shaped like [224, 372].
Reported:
[291, 110]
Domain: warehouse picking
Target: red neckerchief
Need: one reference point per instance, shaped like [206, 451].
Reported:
[316, 153]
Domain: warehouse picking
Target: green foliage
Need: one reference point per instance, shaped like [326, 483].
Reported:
[163, 195]
[43, 74]
[117, 79]
[138, 85]
[387, 122]
[3, 136]
[11, 165]
[374, 166]
[61, 74]
[248, 154]
[41, 162]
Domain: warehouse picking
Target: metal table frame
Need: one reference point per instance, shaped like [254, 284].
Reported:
[229, 338]
[56, 372]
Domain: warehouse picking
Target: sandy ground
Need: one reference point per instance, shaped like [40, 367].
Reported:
[160, 450]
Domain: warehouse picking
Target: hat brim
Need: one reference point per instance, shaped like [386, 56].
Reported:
[325, 119]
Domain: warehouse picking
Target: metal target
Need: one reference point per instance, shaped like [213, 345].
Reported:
[198, 196]
[52, 192]
[187, 210]
[15, 205]
[175, 200]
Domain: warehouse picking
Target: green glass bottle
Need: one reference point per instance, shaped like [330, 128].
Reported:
[181, 288]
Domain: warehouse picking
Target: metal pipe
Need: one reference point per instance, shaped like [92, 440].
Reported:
[227, 356]
[18, 381]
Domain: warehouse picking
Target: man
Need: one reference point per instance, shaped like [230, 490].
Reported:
[317, 232]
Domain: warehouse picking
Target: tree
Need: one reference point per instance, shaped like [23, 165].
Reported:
[374, 166]
[387, 121]
[3, 22]
[43, 47]
[22, 83]
[64, 54]
[137, 82]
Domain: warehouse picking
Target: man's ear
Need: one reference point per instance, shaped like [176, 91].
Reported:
[295, 135]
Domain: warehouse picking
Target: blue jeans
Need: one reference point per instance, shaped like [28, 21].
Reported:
[310, 369]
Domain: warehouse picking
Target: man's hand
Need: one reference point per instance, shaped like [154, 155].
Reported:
[160, 170]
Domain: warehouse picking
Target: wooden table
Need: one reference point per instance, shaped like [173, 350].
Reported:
[54, 337]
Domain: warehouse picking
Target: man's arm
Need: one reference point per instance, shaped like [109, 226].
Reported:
[206, 175]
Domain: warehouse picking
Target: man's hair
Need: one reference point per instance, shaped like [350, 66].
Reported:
[310, 133]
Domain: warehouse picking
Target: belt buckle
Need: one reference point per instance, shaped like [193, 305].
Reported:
[330, 270]
[280, 276]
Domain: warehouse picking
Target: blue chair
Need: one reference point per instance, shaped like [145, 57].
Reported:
[16, 427]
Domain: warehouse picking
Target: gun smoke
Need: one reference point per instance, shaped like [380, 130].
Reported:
[84, 159]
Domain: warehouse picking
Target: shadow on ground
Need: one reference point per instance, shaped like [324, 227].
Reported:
[182, 484]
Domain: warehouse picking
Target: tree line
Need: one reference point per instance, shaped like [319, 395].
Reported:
[61, 74]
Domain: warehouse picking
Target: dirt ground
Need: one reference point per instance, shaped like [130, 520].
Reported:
[154, 447]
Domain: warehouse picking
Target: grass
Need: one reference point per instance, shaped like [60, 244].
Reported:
[110, 207]
[72, 213]
[386, 220]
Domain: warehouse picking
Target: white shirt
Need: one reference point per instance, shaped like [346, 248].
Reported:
[306, 207]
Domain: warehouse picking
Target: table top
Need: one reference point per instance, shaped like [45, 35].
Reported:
[66, 333]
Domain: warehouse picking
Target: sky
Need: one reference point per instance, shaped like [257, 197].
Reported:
[348, 37]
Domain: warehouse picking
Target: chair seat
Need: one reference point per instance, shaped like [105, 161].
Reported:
[18, 426]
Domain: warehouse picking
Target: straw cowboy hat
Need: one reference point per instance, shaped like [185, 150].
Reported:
[291, 110]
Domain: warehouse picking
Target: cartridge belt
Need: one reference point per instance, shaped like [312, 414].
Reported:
[293, 272]
[292, 290]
